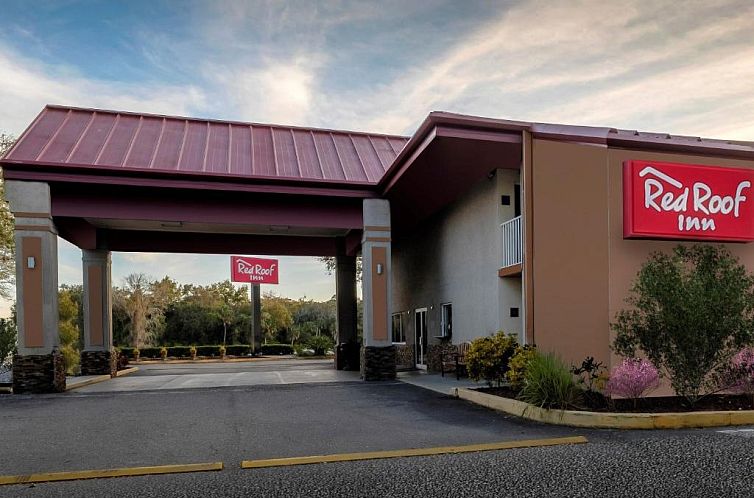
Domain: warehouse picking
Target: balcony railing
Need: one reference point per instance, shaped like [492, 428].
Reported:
[512, 248]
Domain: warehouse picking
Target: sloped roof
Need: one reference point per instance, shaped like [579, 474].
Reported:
[129, 142]
[66, 140]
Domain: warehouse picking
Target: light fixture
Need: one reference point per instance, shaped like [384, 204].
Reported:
[31, 263]
[379, 268]
[171, 224]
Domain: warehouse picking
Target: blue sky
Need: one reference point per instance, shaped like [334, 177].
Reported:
[379, 66]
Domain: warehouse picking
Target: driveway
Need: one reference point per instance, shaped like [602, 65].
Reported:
[169, 376]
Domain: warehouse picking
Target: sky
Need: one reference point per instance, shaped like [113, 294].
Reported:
[377, 66]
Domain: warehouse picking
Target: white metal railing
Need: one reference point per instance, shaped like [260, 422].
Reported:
[512, 247]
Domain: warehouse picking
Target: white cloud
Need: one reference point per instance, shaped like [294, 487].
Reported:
[627, 64]
[28, 85]
[278, 91]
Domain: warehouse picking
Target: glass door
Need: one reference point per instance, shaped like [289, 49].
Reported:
[420, 342]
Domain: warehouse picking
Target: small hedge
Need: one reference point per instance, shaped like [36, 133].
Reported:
[179, 352]
[126, 353]
[149, 352]
[238, 350]
[206, 351]
[276, 349]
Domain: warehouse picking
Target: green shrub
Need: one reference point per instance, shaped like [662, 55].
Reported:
[548, 383]
[179, 351]
[238, 350]
[129, 353]
[488, 357]
[276, 349]
[690, 312]
[151, 352]
[210, 351]
[518, 364]
[321, 344]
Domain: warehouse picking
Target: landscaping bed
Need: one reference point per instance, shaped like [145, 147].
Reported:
[658, 404]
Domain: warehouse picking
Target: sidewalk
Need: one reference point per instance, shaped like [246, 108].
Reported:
[436, 382]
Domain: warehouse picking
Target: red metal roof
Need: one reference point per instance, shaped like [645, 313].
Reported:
[110, 140]
[65, 140]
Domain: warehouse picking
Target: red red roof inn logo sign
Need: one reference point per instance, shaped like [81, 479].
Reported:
[682, 201]
[254, 270]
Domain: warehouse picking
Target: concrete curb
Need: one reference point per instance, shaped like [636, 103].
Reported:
[126, 371]
[70, 386]
[75, 384]
[599, 420]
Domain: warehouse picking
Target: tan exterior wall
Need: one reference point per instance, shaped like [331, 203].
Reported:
[570, 249]
[627, 256]
[582, 267]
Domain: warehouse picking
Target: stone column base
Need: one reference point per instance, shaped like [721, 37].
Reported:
[99, 362]
[378, 363]
[43, 373]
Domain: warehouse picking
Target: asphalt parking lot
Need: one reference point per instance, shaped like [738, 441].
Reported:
[96, 430]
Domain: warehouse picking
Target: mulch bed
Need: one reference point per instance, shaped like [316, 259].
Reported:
[661, 404]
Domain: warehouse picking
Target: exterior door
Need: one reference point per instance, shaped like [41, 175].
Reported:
[420, 340]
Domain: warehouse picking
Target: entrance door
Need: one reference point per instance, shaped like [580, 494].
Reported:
[420, 339]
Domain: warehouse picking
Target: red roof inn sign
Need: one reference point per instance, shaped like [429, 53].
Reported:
[254, 270]
[682, 201]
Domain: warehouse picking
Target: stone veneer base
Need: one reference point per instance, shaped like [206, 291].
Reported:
[99, 362]
[378, 363]
[44, 373]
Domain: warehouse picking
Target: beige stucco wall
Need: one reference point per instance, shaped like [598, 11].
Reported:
[454, 257]
[582, 266]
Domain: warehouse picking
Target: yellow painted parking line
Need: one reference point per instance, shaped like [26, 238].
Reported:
[99, 474]
[348, 457]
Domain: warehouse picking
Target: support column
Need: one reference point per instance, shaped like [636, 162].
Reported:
[378, 351]
[38, 365]
[256, 317]
[98, 357]
[347, 350]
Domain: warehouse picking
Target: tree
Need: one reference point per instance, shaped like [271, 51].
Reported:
[690, 311]
[68, 328]
[165, 292]
[8, 338]
[7, 243]
[319, 317]
[145, 317]
[276, 318]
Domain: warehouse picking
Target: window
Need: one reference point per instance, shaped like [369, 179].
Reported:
[399, 335]
[447, 320]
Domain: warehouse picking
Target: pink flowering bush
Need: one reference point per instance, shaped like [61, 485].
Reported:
[634, 378]
[742, 365]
